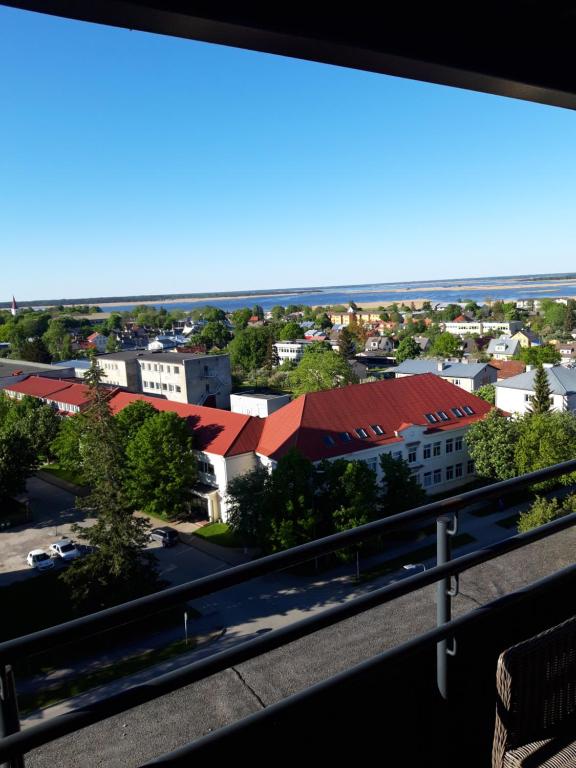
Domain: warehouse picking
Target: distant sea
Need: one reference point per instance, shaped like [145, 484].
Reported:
[478, 289]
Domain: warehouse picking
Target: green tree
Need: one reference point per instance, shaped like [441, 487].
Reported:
[215, 334]
[541, 511]
[400, 489]
[160, 466]
[17, 460]
[319, 369]
[291, 495]
[119, 569]
[34, 351]
[290, 331]
[487, 392]
[491, 444]
[541, 401]
[346, 343]
[113, 345]
[546, 439]
[66, 445]
[131, 418]
[278, 312]
[38, 422]
[408, 349]
[539, 355]
[446, 345]
[57, 340]
[248, 509]
[249, 348]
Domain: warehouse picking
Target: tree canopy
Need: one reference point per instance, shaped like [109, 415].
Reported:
[320, 368]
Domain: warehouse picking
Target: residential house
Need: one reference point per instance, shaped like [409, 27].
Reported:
[294, 350]
[507, 368]
[567, 352]
[424, 343]
[468, 376]
[98, 341]
[515, 394]
[383, 344]
[527, 338]
[503, 348]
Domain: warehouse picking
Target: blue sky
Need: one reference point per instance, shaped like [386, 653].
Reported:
[132, 163]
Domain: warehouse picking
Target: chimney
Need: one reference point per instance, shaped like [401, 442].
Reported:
[440, 365]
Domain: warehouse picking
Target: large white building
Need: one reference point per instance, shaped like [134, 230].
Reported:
[514, 395]
[421, 419]
[480, 327]
[293, 351]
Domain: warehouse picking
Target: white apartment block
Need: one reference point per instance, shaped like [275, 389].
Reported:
[479, 328]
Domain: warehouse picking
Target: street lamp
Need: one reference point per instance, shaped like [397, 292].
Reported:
[414, 566]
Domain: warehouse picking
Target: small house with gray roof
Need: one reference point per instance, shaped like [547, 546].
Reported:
[503, 348]
[515, 394]
[468, 376]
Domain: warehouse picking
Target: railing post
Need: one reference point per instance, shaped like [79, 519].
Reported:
[444, 593]
[9, 717]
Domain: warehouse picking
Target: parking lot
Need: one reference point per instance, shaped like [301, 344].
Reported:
[53, 514]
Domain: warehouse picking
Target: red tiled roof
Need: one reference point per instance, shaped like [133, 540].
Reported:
[306, 422]
[74, 394]
[507, 368]
[215, 431]
[36, 386]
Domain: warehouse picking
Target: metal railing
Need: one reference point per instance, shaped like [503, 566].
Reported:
[15, 743]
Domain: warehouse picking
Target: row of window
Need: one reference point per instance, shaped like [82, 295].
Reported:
[159, 367]
[360, 432]
[439, 416]
[450, 473]
[164, 386]
[435, 449]
[206, 466]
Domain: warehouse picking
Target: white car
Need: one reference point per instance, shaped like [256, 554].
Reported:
[64, 549]
[40, 560]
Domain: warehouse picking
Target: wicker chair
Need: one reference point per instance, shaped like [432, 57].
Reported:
[536, 704]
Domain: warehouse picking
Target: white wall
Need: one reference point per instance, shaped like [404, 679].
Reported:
[252, 405]
[518, 400]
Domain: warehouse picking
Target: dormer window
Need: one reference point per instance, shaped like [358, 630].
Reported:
[377, 429]
[443, 416]
[457, 412]
[467, 410]
[431, 418]
[345, 437]
[329, 441]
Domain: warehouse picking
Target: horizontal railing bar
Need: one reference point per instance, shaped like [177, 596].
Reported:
[59, 726]
[37, 735]
[182, 755]
[12, 650]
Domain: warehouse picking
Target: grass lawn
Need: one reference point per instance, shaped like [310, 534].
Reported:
[64, 474]
[219, 533]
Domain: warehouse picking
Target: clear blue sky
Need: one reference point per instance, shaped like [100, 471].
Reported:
[132, 163]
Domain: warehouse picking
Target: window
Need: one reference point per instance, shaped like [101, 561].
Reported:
[411, 455]
[206, 466]
[457, 412]
[427, 479]
[449, 445]
[161, 368]
[144, 384]
[458, 470]
[527, 398]
[176, 369]
[329, 441]
[164, 386]
[178, 389]
[449, 473]
[361, 432]
[457, 382]
[377, 429]
[443, 416]
[427, 451]
[155, 366]
[437, 476]
[345, 437]
[467, 410]
[458, 444]
[170, 387]
[470, 467]
[436, 449]
[397, 455]
[157, 385]
[431, 418]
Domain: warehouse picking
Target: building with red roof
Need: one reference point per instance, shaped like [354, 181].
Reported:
[422, 419]
[66, 396]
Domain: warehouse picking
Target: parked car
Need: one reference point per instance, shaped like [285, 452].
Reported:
[86, 549]
[167, 536]
[64, 549]
[40, 560]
